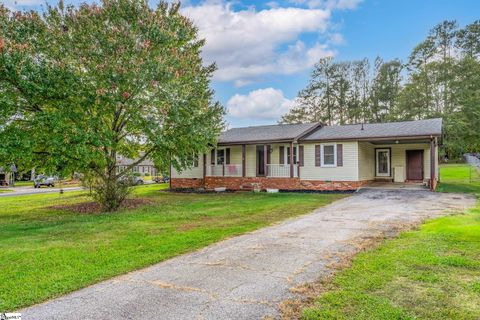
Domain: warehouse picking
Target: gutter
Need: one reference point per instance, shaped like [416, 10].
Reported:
[371, 138]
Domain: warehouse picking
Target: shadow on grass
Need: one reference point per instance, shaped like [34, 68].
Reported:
[462, 187]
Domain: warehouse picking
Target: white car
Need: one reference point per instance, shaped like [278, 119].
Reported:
[132, 180]
[44, 181]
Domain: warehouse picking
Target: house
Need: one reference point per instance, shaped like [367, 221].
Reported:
[7, 178]
[318, 157]
[146, 167]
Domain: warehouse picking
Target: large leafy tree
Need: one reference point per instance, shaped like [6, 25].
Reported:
[81, 86]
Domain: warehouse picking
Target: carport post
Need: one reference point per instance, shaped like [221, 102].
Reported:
[432, 163]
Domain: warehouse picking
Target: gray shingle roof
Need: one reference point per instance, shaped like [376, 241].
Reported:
[280, 132]
[379, 130]
[122, 161]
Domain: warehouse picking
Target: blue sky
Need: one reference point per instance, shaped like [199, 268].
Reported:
[265, 50]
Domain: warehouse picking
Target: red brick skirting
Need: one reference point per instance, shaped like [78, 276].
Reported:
[261, 183]
[186, 183]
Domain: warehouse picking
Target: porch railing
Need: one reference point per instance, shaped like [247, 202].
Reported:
[224, 170]
[281, 170]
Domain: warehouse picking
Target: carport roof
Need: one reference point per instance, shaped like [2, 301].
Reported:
[403, 129]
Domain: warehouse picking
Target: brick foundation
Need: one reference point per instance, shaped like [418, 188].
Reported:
[186, 183]
[261, 183]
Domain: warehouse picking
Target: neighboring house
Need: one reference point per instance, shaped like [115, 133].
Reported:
[317, 157]
[7, 178]
[144, 167]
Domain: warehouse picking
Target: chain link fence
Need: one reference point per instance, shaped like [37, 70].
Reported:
[473, 161]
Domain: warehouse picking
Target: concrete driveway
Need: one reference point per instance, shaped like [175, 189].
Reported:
[246, 277]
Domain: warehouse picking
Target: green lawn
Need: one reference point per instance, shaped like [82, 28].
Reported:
[45, 252]
[23, 183]
[430, 273]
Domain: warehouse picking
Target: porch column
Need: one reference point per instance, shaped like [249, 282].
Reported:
[432, 163]
[265, 151]
[243, 160]
[204, 165]
[291, 159]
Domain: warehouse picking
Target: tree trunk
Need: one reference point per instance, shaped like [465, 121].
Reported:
[109, 191]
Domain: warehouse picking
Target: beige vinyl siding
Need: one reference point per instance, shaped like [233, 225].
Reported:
[194, 172]
[235, 155]
[399, 156]
[366, 161]
[274, 156]
[250, 160]
[348, 172]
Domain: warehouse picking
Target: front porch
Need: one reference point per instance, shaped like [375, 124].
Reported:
[254, 160]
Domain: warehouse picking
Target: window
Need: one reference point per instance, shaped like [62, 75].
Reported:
[383, 162]
[294, 155]
[221, 156]
[329, 155]
[195, 161]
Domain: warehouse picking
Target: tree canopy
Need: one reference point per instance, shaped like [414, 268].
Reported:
[440, 79]
[80, 86]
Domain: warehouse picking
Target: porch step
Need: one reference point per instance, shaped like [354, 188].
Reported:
[246, 187]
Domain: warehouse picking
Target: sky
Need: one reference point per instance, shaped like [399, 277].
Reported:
[265, 50]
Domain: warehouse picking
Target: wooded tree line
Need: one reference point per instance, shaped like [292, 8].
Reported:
[440, 79]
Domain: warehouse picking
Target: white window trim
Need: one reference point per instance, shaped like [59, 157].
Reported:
[389, 152]
[286, 160]
[322, 158]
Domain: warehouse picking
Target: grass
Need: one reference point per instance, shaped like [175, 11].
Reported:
[23, 183]
[45, 252]
[430, 273]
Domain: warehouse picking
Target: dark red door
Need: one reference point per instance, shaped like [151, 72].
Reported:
[414, 164]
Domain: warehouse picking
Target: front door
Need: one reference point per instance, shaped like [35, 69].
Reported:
[382, 167]
[415, 165]
[260, 161]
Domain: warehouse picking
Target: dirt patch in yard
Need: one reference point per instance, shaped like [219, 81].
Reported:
[93, 207]
[204, 221]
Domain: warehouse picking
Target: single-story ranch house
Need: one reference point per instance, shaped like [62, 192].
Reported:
[317, 157]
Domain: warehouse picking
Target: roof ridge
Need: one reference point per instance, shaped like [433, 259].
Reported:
[365, 123]
[276, 125]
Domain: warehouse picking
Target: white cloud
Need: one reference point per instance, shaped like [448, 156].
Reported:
[16, 4]
[336, 38]
[248, 44]
[328, 4]
[262, 104]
